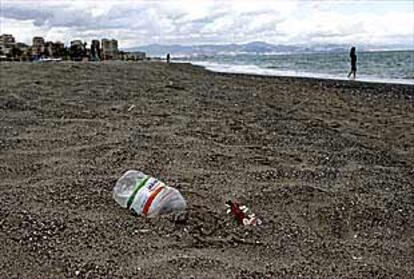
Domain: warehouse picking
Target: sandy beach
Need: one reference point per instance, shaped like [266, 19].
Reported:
[327, 165]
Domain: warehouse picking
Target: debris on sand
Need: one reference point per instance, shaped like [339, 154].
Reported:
[131, 108]
[242, 214]
[146, 195]
[175, 86]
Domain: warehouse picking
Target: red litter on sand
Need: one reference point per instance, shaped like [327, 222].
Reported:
[242, 214]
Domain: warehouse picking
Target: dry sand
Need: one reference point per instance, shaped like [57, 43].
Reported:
[327, 165]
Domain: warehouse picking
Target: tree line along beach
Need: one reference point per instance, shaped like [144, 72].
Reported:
[328, 165]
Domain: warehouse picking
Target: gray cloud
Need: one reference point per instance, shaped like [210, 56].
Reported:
[39, 16]
[142, 22]
[48, 16]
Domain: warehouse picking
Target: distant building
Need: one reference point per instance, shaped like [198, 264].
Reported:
[95, 50]
[7, 43]
[106, 49]
[54, 49]
[110, 49]
[38, 47]
[7, 39]
[59, 49]
[23, 51]
[77, 50]
[49, 49]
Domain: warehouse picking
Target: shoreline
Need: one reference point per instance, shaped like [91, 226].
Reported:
[391, 82]
[255, 70]
[406, 90]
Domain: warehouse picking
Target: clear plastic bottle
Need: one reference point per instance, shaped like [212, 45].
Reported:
[146, 195]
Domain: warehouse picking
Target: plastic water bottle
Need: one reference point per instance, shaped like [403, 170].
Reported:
[146, 195]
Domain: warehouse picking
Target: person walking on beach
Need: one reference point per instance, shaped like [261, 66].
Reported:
[353, 57]
[168, 58]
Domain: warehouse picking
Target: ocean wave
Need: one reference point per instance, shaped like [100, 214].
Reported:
[269, 71]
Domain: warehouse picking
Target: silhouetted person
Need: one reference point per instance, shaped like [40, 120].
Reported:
[168, 58]
[353, 57]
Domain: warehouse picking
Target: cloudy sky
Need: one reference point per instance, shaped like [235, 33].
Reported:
[141, 22]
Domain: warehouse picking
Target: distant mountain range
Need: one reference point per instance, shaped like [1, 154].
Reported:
[233, 49]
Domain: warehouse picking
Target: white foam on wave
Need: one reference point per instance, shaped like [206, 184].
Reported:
[253, 69]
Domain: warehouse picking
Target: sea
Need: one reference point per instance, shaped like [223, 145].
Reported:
[372, 66]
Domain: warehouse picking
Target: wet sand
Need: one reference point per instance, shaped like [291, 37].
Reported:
[327, 165]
